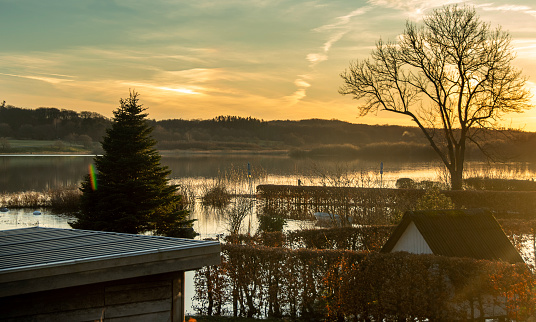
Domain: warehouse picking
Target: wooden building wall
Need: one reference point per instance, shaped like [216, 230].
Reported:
[412, 241]
[150, 298]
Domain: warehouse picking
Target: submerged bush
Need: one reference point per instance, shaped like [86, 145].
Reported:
[270, 224]
[216, 196]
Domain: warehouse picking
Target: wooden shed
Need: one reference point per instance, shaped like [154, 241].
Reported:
[455, 233]
[50, 274]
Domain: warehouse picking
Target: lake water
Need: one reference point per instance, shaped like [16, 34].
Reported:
[32, 172]
[198, 172]
[40, 173]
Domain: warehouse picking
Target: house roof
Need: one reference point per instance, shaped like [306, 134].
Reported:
[41, 258]
[459, 233]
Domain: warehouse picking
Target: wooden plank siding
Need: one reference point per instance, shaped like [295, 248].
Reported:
[150, 298]
[412, 241]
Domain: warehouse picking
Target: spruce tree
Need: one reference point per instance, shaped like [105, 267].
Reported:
[131, 192]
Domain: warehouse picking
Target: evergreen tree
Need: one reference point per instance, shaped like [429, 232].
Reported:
[130, 192]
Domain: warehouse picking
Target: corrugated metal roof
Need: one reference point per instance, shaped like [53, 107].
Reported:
[40, 247]
[459, 233]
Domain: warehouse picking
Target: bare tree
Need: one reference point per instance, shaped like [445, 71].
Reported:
[452, 76]
[235, 214]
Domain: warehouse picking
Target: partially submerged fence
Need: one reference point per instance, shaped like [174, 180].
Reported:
[383, 206]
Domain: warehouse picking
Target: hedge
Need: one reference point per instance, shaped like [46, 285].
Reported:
[329, 285]
[360, 238]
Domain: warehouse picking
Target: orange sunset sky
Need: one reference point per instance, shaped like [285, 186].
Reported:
[269, 59]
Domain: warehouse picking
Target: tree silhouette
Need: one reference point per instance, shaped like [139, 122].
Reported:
[130, 191]
[453, 77]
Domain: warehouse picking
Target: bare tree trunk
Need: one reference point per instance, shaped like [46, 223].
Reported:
[456, 179]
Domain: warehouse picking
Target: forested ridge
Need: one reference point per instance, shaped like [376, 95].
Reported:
[312, 137]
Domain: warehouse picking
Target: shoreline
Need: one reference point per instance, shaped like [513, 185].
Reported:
[162, 153]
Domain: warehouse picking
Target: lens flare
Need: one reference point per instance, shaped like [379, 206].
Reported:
[93, 177]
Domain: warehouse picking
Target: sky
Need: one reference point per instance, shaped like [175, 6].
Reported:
[268, 59]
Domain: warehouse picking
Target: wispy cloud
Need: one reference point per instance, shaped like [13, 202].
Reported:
[315, 58]
[302, 84]
[508, 8]
[335, 31]
[183, 90]
[415, 9]
[48, 79]
[527, 47]
[342, 21]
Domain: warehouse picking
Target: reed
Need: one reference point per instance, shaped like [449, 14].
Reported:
[64, 200]
[61, 200]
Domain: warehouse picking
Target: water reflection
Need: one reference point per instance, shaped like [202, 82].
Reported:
[39, 173]
[24, 218]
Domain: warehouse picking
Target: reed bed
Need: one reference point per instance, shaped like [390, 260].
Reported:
[60, 200]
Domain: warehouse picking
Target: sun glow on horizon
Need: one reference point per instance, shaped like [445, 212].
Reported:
[179, 90]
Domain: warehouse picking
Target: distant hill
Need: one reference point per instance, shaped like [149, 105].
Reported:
[304, 138]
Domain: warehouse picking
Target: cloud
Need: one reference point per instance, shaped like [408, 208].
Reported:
[509, 8]
[335, 31]
[301, 83]
[415, 9]
[342, 20]
[193, 75]
[178, 90]
[298, 95]
[316, 58]
[47, 79]
[301, 92]
[527, 47]
[333, 39]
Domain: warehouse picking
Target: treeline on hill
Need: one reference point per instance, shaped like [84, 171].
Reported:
[321, 138]
[49, 123]
[312, 137]
[305, 138]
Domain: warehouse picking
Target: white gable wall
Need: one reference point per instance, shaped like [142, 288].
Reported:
[412, 241]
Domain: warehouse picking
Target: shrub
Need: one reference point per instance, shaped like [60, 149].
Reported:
[269, 223]
[216, 196]
[433, 199]
[405, 183]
